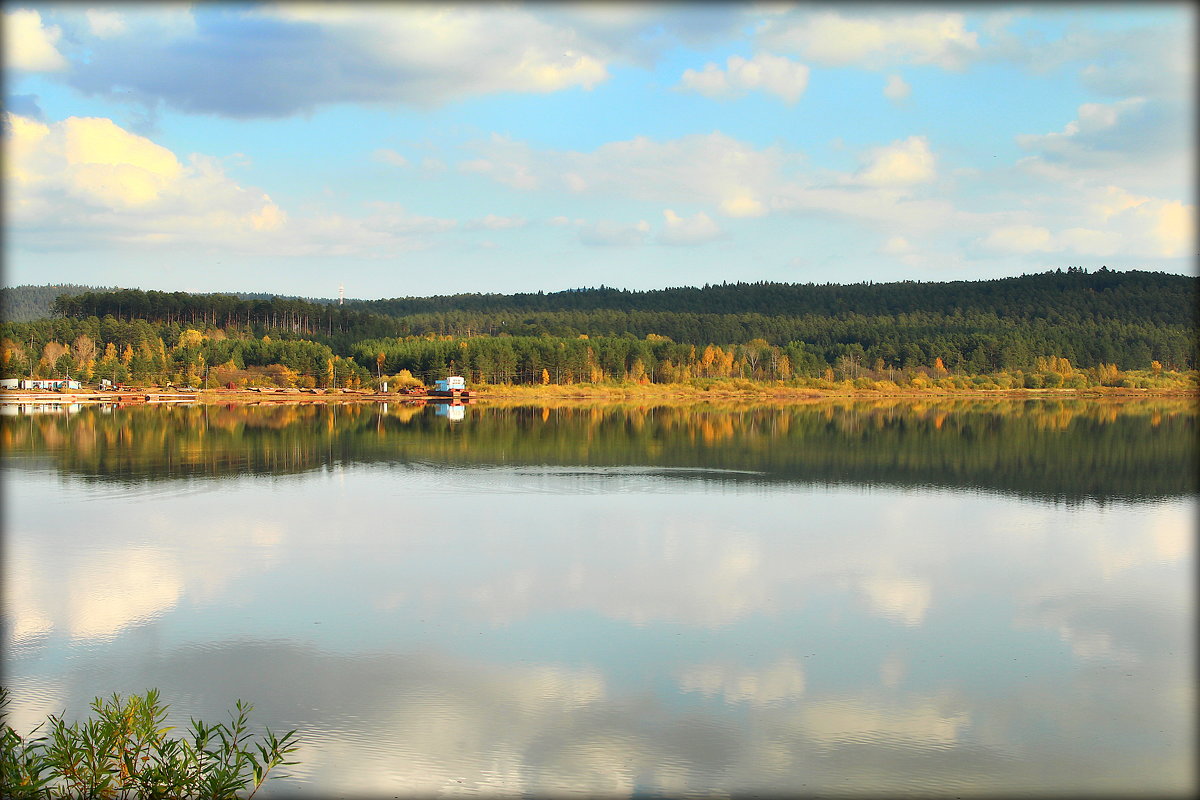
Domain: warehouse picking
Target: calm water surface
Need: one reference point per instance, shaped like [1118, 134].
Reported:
[949, 598]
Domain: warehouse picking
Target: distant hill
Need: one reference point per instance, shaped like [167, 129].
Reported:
[1157, 296]
[26, 303]
[1130, 320]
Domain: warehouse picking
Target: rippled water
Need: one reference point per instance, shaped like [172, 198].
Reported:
[838, 598]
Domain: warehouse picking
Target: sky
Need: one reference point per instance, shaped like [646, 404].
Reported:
[409, 150]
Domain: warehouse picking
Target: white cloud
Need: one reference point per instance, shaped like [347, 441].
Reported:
[395, 218]
[30, 46]
[104, 24]
[732, 176]
[900, 164]
[88, 182]
[87, 173]
[388, 156]
[506, 166]
[1113, 221]
[1096, 128]
[896, 89]
[1140, 142]
[897, 245]
[688, 230]
[606, 233]
[1022, 239]
[320, 54]
[775, 75]
[493, 222]
[1088, 241]
[835, 39]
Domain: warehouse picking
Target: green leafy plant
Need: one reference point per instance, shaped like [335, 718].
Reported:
[125, 751]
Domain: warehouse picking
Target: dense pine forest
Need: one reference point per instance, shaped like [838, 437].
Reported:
[1071, 329]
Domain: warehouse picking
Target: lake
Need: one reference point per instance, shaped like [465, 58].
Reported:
[843, 597]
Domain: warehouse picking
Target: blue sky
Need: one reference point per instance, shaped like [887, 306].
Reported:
[404, 149]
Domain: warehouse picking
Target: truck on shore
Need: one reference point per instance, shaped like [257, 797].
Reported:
[452, 387]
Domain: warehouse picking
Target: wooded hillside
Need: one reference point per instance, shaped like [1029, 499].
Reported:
[1053, 324]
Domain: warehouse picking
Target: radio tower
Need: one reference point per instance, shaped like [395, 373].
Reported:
[341, 295]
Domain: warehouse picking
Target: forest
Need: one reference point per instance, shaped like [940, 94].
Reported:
[1070, 329]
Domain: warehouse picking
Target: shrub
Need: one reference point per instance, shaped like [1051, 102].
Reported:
[125, 752]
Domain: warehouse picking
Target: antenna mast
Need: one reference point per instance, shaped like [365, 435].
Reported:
[341, 295]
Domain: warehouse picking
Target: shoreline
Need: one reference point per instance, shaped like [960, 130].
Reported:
[577, 393]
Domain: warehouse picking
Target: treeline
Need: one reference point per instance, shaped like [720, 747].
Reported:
[1055, 295]
[657, 359]
[27, 303]
[143, 352]
[1016, 330]
[260, 315]
[977, 341]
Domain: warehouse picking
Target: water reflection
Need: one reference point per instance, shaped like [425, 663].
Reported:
[439, 622]
[1063, 450]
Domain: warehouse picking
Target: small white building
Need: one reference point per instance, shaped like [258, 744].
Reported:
[10, 383]
[50, 384]
[453, 382]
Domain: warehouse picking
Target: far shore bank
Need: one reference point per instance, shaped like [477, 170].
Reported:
[653, 393]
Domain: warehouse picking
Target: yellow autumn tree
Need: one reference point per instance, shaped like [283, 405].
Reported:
[190, 338]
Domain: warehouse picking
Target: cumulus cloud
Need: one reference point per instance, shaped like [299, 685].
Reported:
[775, 75]
[896, 89]
[900, 163]
[831, 38]
[1102, 132]
[29, 45]
[1110, 221]
[688, 230]
[282, 59]
[733, 178]
[89, 174]
[86, 180]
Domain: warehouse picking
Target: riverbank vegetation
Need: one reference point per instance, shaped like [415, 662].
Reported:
[124, 751]
[1070, 330]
